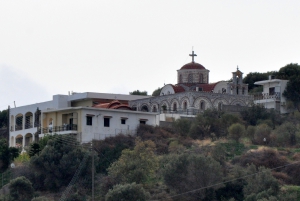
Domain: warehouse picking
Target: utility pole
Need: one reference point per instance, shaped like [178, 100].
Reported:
[93, 173]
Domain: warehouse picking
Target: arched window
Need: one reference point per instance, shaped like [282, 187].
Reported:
[202, 105]
[144, 109]
[220, 105]
[154, 109]
[185, 105]
[175, 107]
[200, 78]
[190, 78]
[180, 78]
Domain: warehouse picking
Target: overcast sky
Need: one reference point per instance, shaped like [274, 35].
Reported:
[52, 47]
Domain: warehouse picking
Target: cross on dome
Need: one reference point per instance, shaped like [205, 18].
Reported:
[193, 55]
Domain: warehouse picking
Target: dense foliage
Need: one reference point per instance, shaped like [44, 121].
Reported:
[138, 92]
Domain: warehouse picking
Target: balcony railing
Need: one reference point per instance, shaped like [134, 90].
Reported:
[182, 111]
[28, 125]
[264, 96]
[18, 127]
[54, 129]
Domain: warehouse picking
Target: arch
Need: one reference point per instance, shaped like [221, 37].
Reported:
[19, 122]
[174, 106]
[28, 120]
[238, 102]
[190, 78]
[207, 103]
[12, 123]
[134, 107]
[154, 109]
[218, 100]
[19, 141]
[28, 139]
[144, 108]
[184, 103]
[200, 78]
[165, 105]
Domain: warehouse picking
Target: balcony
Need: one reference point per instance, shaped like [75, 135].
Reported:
[55, 129]
[265, 96]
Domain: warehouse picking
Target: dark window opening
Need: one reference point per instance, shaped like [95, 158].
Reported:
[106, 122]
[142, 122]
[123, 121]
[272, 91]
[89, 120]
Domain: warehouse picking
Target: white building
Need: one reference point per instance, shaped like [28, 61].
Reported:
[272, 97]
[86, 115]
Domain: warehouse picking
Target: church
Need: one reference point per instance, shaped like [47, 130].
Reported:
[193, 93]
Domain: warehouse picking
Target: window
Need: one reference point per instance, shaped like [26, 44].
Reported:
[271, 91]
[202, 105]
[106, 121]
[143, 121]
[89, 120]
[190, 78]
[123, 121]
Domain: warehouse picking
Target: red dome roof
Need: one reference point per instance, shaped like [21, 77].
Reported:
[192, 65]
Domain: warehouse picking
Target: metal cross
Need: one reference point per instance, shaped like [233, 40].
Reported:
[193, 55]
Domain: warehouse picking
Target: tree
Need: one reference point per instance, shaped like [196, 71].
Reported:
[186, 172]
[288, 71]
[156, 92]
[127, 192]
[252, 114]
[286, 134]
[260, 184]
[292, 91]
[251, 78]
[34, 149]
[182, 126]
[58, 162]
[136, 165]
[236, 131]
[21, 189]
[138, 92]
[3, 118]
[7, 154]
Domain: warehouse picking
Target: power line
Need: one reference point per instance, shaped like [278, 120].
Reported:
[191, 191]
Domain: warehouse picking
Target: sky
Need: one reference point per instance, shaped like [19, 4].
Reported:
[50, 47]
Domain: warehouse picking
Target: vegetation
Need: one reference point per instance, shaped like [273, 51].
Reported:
[138, 92]
[3, 118]
[156, 92]
[21, 189]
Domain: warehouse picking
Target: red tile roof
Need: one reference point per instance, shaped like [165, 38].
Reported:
[113, 105]
[192, 65]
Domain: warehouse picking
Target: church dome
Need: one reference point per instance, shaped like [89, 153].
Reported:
[192, 65]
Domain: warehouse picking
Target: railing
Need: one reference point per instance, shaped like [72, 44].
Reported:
[18, 127]
[28, 125]
[182, 111]
[125, 132]
[67, 127]
[263, 96]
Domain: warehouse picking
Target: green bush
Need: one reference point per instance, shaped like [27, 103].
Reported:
[127, 192]
[236, 131]
[21, 189]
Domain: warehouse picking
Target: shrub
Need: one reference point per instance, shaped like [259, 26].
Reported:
[21, 189]
[262, 132]
[192, 171]
[236, 131]
[266, 157]
[127, 192]
[182, 126]
[110, 149]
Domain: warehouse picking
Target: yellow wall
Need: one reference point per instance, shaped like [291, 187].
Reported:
[58, 118]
